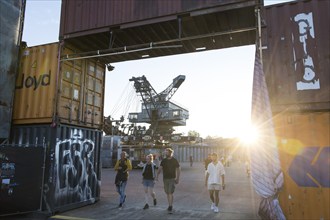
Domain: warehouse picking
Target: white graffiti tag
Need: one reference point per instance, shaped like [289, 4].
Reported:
[75, 177]
[306, 31]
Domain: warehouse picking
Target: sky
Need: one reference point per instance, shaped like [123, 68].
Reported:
[217, 90]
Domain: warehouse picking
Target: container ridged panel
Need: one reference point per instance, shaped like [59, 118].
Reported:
[304, 146]
[35, 85]
[73, 168]
[83, 15]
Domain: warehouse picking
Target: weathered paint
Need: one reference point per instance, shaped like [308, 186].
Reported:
[94, 16]
[304, 146]
[52, 91]
[11, 18]
[296, 60]
[73, 170]
[129, 29]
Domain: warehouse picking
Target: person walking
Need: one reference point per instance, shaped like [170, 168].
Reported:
[214, 183]
[149, 175]
[171, 175]
[123, 166]
[191, 160]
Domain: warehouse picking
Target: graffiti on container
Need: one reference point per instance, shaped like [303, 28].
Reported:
[311, 168]
[306, 33]
[76, 179]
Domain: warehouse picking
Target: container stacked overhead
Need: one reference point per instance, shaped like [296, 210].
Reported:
[296, 65]
[131, 30]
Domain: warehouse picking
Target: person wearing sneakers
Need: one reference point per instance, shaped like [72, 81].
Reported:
[171, 175]
[123, 165]
[149, 174]
[214, 183]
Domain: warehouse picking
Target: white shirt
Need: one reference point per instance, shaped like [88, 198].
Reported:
[215, 172]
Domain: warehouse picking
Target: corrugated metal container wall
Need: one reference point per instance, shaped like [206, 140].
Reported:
[110, 144]
[296, 61]
[11, 25]
[49, 90]
[80, 16]
[304, 146]
[73, 168]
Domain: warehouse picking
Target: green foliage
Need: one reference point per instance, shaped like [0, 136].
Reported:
[193, 134]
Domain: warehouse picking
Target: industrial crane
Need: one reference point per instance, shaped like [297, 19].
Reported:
[157, 109]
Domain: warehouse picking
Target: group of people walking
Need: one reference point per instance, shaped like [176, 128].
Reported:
[170, 167]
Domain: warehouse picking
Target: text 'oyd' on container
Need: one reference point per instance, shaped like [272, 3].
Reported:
[49, 90]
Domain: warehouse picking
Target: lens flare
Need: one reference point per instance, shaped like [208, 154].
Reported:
[249, 135]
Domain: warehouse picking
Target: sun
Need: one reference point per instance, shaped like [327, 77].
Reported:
[249, 135]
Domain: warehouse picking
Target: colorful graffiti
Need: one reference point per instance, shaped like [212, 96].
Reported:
[311, 168]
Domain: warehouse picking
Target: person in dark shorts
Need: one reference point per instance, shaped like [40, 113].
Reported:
[171, 175]
[149, 175]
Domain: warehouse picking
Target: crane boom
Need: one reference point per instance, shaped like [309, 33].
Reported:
[167, 94]
[157, 110]
[147, 92]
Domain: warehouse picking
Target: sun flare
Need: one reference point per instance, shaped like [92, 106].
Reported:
[249, 135]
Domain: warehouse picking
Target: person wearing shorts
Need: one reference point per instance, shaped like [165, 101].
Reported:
[171, 175]
[148, 181]
[214, 183]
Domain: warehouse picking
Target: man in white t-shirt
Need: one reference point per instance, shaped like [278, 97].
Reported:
[214, 183]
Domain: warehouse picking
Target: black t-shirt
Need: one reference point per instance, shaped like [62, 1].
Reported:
[169, 167]
[121, 175]
[147, 174]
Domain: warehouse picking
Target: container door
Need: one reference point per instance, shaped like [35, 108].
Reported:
[94, 93]
[72, 76]
[21, 177]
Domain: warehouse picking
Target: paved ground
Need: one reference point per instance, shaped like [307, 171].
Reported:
[191, 200]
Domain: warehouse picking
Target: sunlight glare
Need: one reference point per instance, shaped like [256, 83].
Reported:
[249, 135]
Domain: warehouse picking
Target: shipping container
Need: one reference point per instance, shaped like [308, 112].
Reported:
[304, 146]
[297, 55]
[109, 148]
[72, 171]
[130, 29]
[50, 90]
[11, 26]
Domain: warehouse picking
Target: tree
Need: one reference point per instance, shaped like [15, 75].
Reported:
[193, 134]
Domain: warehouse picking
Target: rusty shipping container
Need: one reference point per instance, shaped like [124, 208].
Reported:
[11, 26]
[72, 168]
[304, 146]
[158, 27]
[49, 90]
[297, 58]
[296, 65]
[88, 16]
